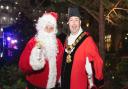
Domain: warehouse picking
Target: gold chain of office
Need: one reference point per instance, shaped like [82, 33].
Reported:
[69, 48]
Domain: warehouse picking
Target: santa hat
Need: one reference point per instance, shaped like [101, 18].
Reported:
[47, 19]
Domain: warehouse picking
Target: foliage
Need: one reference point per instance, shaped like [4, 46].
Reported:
[115, 72]
[123, 71]
[11, 77]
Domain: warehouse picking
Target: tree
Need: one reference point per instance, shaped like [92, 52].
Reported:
[104, 12]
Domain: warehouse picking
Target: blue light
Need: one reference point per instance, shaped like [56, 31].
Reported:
[1, 54]
[8, 38]
[11, 44]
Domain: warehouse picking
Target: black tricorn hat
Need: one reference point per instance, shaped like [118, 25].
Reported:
[73, 11]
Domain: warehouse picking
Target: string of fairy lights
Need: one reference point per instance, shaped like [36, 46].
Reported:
[9, 13]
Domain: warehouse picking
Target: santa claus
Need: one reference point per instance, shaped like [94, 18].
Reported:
[41, 59]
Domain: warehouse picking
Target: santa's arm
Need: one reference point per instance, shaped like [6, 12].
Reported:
[24, 62]
[24, 58]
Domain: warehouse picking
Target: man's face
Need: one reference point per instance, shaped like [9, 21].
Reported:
[74, 24]
[49, 29]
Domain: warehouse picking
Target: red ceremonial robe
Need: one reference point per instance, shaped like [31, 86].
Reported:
[39, 78]
[78, 76]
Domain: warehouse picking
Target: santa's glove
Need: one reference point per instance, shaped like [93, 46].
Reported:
[37, 59]
[88, 68]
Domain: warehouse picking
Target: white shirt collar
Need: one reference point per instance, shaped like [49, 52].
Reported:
[72, 38]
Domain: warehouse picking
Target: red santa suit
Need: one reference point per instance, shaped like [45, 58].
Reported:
[77, 74]
[41, 59]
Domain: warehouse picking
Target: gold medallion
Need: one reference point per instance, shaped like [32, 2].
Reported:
[70, 48]
[68, 58]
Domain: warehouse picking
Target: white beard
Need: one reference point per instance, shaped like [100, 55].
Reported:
[49, 44]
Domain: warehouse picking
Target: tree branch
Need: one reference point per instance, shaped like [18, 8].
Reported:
[113, 11]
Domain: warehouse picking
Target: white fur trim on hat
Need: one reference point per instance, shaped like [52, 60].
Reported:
[46, 19]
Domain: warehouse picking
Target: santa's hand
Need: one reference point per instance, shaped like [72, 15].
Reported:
[37, 61]
[39, 44]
